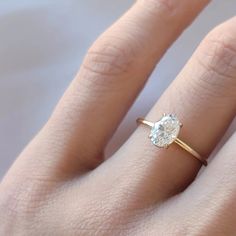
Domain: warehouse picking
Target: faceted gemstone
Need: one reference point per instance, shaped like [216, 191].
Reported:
[165, 131]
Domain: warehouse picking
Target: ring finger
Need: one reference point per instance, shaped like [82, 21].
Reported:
[203, 97]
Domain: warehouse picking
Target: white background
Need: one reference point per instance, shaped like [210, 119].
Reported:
[42, 44]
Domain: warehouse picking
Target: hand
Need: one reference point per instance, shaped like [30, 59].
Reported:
[61, 185]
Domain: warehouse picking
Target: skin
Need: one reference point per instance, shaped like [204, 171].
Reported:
[61, 185]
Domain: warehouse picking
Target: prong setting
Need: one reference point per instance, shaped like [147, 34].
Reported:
[165, 131]
[166, 146]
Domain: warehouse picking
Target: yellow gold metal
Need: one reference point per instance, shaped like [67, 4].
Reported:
[145, 122]
[191, 151]
[177, 141]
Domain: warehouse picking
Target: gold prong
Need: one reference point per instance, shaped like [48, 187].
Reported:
[166, 146]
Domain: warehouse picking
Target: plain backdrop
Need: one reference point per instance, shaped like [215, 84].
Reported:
[42, 44]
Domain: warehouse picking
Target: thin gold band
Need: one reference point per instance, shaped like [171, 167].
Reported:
[177, 141]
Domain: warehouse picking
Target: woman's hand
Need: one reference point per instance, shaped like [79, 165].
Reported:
[60, 184]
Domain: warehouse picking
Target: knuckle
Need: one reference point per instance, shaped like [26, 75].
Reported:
[218, 57]
[13, 207]
[21, 201]
[108, 58]
[22, 198]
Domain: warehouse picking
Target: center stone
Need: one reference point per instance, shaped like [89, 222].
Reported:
[165, 131]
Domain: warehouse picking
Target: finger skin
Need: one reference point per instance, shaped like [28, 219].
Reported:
[215, 188]
[203, 96]
[112, 74]
[207, 207]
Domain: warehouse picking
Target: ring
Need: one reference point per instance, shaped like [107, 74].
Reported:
[165, 132]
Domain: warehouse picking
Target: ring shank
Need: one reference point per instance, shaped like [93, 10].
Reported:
[191, 151]
[145, 122]
[177, 141]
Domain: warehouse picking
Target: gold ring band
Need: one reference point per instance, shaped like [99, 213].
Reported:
[168, 128]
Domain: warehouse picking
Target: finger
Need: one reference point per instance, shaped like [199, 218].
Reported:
[210, 199]
[113, 72]
[203, 96]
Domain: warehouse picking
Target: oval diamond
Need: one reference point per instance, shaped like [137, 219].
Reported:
[165, 131]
